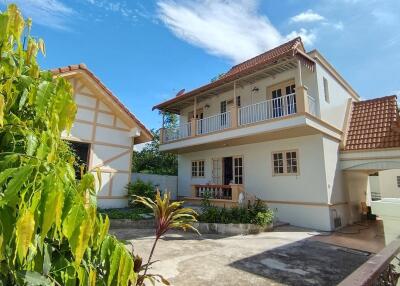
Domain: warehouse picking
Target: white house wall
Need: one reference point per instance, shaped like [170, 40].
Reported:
[292, 196]
[388, 183]
[337, 196]
[110, 141]
[333, 112]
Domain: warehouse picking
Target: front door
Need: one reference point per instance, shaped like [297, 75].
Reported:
[228, 170]
[199, 115]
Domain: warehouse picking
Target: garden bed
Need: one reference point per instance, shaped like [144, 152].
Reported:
[129, 223]
[232, 228]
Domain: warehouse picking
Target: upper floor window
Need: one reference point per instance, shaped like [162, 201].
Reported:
[238, 103]
[285, 163]
[198, 168]
[326, 90]
[223, 106]
[398, 181]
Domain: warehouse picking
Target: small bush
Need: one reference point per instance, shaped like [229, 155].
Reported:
[258, 213]
[142, 189]
[127, 213]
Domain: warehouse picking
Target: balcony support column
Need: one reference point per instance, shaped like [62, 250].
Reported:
[234, 116]
[301, 91]
[193, 120]
[162, 129]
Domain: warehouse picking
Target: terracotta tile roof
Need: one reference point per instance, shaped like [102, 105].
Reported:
[374, 124]
[267, 56]
[84, 68]
[291, 48]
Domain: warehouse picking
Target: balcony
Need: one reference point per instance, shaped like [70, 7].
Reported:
[264, 111]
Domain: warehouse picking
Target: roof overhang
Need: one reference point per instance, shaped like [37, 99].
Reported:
[141, 134]
[279, 64]
[370, 161]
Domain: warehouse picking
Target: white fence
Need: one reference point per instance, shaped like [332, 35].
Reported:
[214, 123]
[268, 109]
[182, 131]
[163, 182]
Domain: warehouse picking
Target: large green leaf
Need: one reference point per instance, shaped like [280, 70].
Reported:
[16, 183]
[30, 278]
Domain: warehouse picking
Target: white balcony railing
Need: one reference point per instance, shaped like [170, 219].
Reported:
[269, 109]
[312, 105]
[181, 132]
[213, 123]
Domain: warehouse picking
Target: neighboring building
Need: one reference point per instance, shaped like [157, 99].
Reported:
[389, 183]
[285, 127]
[103, 134]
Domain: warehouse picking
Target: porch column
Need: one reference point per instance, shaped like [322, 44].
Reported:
[162, 129]
[193, 120]
[301, 91]
[234, 109]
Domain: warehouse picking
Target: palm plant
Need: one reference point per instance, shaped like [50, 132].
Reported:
[168, 215]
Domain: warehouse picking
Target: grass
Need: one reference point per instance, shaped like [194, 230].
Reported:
[133, 213]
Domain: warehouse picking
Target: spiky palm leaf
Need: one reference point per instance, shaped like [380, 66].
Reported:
[168, 215]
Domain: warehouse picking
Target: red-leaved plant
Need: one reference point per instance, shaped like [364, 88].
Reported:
[168, 215]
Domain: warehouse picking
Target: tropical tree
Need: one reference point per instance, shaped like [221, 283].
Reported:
[50, 232]
[151, 160]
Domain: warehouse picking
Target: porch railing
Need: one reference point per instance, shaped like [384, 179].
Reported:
[213, 191]
[213, 123]
[173, 134]
[268, 109]
[381, 269]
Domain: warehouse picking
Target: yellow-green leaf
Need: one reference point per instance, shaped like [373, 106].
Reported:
[15, 184]
[1, 110]
[24, 232]
[82, 241]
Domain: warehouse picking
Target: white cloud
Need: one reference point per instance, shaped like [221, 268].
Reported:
[50, 13]
[228, 28]
[307, 36]
[122, 8]
[307, 17]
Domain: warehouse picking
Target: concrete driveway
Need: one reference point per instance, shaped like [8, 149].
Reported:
[286, 256]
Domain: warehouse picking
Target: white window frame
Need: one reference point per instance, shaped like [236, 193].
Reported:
[216, 171]
[198, 168]
[284, 164]
[236, 176]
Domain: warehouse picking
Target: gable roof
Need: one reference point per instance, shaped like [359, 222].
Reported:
[291, 48]
[82, 67]
[374, 124]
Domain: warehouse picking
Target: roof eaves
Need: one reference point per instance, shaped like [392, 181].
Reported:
[83, 67]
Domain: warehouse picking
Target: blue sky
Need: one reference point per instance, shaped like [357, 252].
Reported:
[146, 51]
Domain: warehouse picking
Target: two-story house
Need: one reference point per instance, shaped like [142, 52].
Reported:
[272, 127]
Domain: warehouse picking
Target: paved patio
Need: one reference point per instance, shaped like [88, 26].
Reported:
[287, 256]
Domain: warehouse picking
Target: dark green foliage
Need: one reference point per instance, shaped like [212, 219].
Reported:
[258, 213]
[150, 160]
[142, 189]
[128, 213]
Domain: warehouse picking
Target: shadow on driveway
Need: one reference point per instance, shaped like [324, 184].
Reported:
[305, 262]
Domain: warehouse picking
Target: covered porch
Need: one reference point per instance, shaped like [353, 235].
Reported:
[218, 195]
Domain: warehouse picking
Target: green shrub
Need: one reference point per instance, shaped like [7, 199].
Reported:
[258, 213]
[128, 213]
[141, 189]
